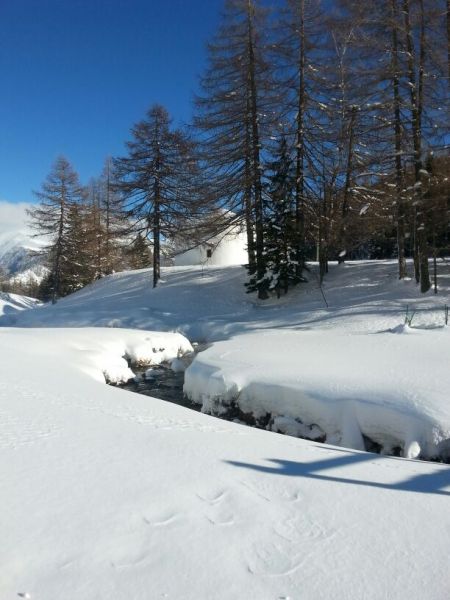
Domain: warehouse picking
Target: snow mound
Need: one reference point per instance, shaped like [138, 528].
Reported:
[107, 354]
[391, 389]
[10, 304]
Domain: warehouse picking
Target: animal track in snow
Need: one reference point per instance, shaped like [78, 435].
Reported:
[165, 519]
[221, 518]
[213, 499]
[274, 560]
[269, 492]
[299, 528]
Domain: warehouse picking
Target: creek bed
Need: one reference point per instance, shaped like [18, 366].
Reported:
[160, 381]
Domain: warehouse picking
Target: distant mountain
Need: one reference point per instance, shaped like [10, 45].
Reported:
[20, 257]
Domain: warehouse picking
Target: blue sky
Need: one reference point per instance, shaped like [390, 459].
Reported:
[76, 74]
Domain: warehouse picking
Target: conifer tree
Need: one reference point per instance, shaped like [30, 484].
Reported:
[80, 264]
[280, 230]
[139, 254]
[156, 179]
[230, 116]
[298, 62]
[60, 192]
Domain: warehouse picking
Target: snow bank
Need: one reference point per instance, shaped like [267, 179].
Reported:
[110, 494]
[117, 348]
[10, 304]
[390, 388]
[105, 354]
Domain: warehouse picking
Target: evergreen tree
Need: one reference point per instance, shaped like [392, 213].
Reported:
[280, 228]
[139, 254]
[60, 192]
[79, 266]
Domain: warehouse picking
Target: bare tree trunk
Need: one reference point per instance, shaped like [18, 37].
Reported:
[156, 243]
[416, 112]
[108, 217]
[59, 249]
[323, 237]
[435, 284]
[448, 40]
[347, 185]
[249, 220]
[402, 271]
[300, 148]
[256, 162]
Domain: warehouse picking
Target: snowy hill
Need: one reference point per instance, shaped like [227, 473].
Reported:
[11, 304]
[126, 496]
[211, 304]
[19, 256]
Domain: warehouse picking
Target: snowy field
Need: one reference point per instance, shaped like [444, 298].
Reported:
[108, 494]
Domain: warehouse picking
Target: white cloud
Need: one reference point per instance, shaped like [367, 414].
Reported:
[13, 217]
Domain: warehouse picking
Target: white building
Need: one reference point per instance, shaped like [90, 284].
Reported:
[228, 248]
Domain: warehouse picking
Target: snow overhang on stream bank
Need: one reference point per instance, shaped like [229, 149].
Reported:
[389, 389]
[106, 354]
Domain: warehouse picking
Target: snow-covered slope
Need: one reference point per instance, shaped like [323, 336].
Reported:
[108, 494]
[390, 389]
[19, 256]
[211, 304]
[11, 304]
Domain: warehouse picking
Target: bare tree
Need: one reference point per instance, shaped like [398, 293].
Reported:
[231, 111]
[156, 179]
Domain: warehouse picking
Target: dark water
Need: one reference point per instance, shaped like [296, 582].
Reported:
[162, 383]
[159, 381]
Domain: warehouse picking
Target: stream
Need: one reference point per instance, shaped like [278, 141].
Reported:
[160, 381]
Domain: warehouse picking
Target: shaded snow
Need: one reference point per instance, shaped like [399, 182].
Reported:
[391, 388]
[10, 304]
[211, 304]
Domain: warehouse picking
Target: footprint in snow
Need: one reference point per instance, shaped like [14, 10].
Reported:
[221, 518]
[298, 529]
[215, 499]
[274, 560]
[163, 520]
[269, 492]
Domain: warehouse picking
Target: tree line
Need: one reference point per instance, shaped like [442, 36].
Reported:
[322, 126]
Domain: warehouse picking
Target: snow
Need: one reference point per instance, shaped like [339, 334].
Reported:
[11, 303]
[110, 494]
[347, 385]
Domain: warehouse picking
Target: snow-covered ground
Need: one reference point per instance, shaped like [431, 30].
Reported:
[10, 304]
[391, 387]
[210, 304]
[108, 494]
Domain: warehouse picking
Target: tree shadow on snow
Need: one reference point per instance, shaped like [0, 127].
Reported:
[426, 483]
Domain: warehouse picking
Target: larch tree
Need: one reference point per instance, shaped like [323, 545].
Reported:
[231, 111]
[60, 192]
[297, 62]
[156, 179]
